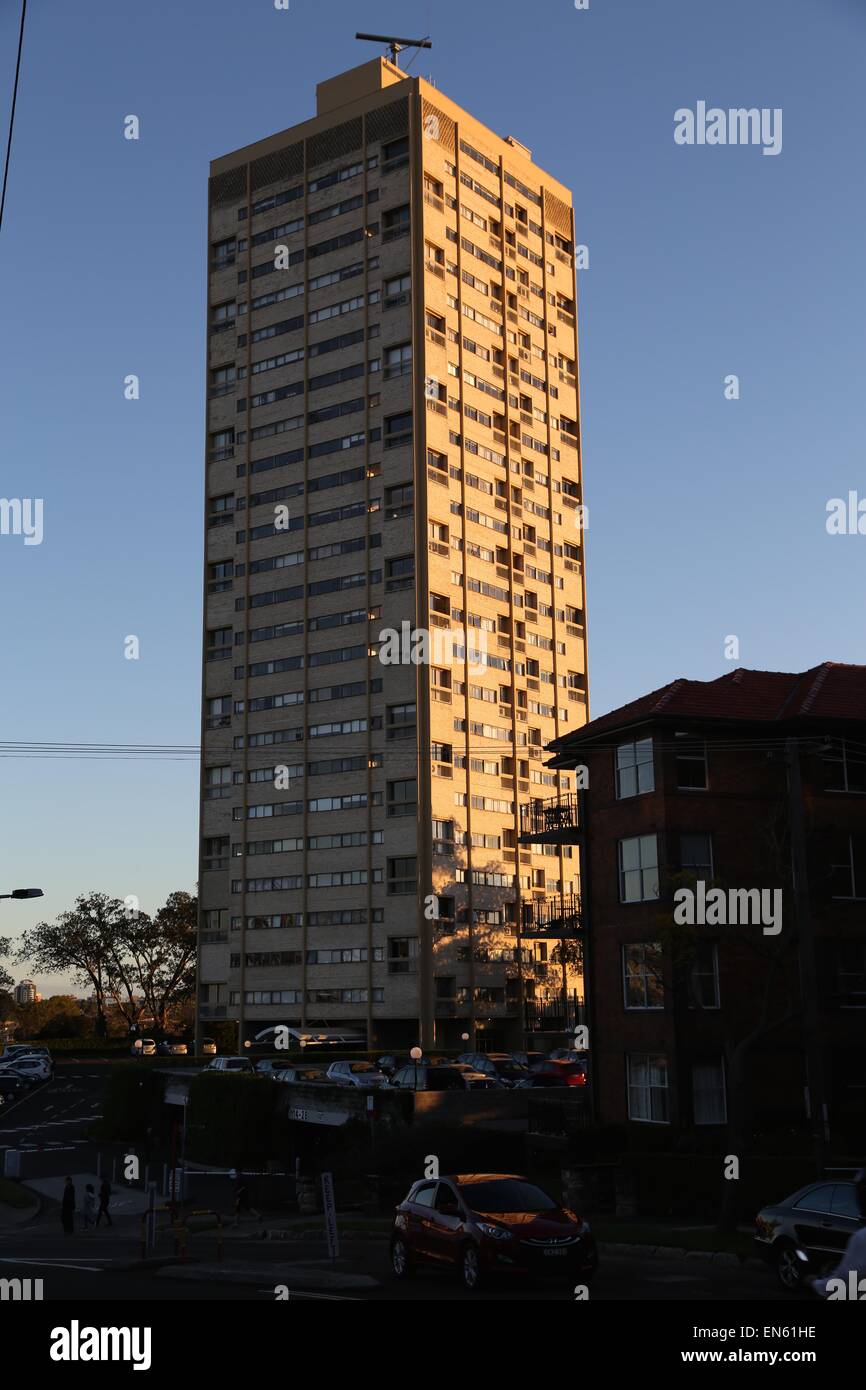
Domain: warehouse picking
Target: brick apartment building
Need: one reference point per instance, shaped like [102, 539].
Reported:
[728, 782]
[392, 439]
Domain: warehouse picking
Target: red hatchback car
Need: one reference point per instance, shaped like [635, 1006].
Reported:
[489, 1223]
[559, 1073]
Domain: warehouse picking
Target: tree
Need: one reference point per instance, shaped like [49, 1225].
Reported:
[6, 980]
[81, 942]
[135, 962]
[567, 953]
[166, 952]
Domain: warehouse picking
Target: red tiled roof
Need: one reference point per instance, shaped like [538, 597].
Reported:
[828, 691]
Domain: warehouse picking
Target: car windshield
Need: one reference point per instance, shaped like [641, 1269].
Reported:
[505, 1194]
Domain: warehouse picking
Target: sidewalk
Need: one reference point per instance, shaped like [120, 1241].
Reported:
[125, 1201]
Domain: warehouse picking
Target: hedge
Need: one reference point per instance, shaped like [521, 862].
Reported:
[132, 1101]
[233, 1120]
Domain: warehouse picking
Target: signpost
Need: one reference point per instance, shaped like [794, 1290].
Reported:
[330, 1211]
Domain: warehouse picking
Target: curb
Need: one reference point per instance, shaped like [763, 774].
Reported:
[300, 1276]
[673, 1252]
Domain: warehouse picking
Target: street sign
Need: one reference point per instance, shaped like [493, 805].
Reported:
[330, 1215]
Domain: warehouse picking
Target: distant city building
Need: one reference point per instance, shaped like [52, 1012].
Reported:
[25, 993]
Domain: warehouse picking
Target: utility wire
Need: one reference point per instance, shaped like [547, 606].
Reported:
[12, 115]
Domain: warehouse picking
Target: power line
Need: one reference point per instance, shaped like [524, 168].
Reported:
[12, 114]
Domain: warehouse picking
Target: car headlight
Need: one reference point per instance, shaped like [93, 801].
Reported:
[495, 1232]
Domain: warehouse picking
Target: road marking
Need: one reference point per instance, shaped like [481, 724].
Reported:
[328, 1297]
[57, 1264]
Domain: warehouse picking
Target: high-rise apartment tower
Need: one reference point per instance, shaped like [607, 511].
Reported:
[394, 584]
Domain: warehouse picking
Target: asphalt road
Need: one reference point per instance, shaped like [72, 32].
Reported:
[54, 1115]
[76, 1267]
[50, 1126]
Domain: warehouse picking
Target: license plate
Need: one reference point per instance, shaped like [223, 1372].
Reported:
[556, 1252]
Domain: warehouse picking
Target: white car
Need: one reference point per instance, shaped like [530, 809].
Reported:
[362, 1074]
[30, 1068]
[144, 1047]
[235, 1064]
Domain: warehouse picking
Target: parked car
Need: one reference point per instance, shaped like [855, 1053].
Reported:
[483, 1224]
[500, 1065]
[567, 1054]
[427, 1078]
[268, 1066]
[226, 1064]
[144, 1047]
[391, 1062]
[362, 1074]
[208, 1047]
[11, 1086]
[179, 1049]
[307, 1075]
[818, 1220]
[556, 1072]
[31, 1069]
[13, 1050]
[477, 1080]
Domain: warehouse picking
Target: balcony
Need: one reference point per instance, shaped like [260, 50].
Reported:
[551, 822]
[548, 1016]
[552, 917]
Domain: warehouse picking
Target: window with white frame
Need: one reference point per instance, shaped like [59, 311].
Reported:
[691, 760]
[704, 976]
[844, 767]
[708, 1093]
[638, 869]
[848, 866]
[696, 854]
[634, 768]
[642, 983]
[648, 1088]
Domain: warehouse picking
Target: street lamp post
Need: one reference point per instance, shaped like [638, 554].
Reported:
[23, 893]
[416, 1054]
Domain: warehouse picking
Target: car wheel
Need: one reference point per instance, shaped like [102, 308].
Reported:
[401, 1262]
[470, 1268]
[790, 1270]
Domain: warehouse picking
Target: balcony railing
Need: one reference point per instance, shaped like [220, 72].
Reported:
[552, 917]
[554, 821]
[548, 1016]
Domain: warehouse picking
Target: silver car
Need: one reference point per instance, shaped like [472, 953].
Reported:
[361, 1074]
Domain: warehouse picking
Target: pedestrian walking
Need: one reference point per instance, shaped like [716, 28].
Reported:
[67, 1208]
[242, 1201]
[89, 1207]
[104, 1199]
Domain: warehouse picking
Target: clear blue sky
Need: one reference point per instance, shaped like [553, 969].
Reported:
[706, 515]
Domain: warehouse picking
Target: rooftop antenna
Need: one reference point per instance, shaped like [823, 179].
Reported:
[395, 45]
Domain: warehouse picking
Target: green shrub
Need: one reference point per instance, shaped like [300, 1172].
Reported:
[232, 1119]
[133, 1096]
